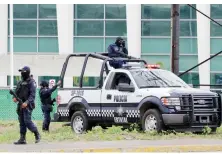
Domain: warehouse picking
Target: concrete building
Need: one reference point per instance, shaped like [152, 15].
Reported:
[45, 34]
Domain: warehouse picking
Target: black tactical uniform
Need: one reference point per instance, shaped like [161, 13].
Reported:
[26, 90]
[47, 102]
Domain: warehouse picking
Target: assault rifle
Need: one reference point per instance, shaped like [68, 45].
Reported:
[20, 102]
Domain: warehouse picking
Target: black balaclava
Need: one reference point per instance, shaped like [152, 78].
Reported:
[25, 72]
[119, 41]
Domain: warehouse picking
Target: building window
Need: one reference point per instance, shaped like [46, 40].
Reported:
[35, 28]
[156, 35]
[191, 78]
[215, 33]
[15, 78]
[98, 25]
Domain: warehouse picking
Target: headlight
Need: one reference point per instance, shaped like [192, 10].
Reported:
[172, 101]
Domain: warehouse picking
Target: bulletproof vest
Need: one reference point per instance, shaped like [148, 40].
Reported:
[117, 49]
[23, 90]
[45, 99]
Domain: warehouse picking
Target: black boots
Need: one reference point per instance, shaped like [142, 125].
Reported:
[37, 137]
[45, 128]
[22, 139]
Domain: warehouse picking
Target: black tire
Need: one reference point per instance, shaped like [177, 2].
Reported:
[159, 121]
[81, 115]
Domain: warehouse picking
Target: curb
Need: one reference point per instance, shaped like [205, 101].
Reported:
[176, 148]
[167, 148]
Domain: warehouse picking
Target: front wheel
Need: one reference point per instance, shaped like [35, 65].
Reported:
[152, 121]
[79, 122]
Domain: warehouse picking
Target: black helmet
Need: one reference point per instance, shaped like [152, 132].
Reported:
[44, 84]
[119, 41]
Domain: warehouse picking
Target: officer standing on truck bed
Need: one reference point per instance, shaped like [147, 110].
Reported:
[117, 50]
[26, 91]
[47, 102]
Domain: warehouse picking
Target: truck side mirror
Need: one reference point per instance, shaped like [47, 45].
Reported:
[125, 87]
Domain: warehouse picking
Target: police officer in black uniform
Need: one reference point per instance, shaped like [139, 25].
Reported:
[117, 50]
[26, 91]
[47, 102]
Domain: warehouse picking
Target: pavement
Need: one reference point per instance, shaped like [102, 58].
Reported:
[176, 145]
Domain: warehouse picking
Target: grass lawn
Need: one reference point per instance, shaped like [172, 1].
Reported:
[9, 132]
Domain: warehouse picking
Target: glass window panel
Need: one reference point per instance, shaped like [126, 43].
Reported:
[163, 61]
[116, 28]
[47, 10]
[163, 45]
[194, 79]
[191, 78]
[111, 41]
[216, 78]
[88, 45]
[156, 11]
[15, 78]
[216, 11]
[188, 45]
[215, 29]
[24, 44]
[156, 45]
[215, 45]
[25, 10]
[24, 27]
[89, 11]
[215, 64]
[186, 62]
[156, 28]
[188, 28]
[115, 11]
[48, 44]
[48, 27]
[88, 28]
[186, 12]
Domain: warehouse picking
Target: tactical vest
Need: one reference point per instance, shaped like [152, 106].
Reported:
[23, 90]
[45, 99]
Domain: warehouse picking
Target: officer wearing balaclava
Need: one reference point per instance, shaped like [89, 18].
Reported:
[26, 91]
[117, 50]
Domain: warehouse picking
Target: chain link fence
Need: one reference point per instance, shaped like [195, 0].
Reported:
[8, 107]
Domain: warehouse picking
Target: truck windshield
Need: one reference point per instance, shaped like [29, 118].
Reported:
[157, 78]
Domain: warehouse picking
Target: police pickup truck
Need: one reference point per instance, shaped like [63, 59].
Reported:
[155, 99]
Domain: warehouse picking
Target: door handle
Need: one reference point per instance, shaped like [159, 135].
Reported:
[109, 96]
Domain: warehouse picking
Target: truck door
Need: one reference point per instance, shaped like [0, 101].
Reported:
[119, 106]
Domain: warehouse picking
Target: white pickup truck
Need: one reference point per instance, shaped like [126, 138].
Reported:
[155, 99]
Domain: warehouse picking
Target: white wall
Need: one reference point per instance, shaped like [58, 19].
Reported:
[133, 15]
[65, 27]
[3, 38]
[65, 32]
[203, 40]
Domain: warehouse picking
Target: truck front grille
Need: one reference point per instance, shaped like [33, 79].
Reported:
[200, 102]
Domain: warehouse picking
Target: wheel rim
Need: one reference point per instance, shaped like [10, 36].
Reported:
[150, 123]
[78, 124]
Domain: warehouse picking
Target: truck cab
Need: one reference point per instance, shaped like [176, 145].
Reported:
[155, 99]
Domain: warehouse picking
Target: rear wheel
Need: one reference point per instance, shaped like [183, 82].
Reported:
[79, 122]
[152, 121]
